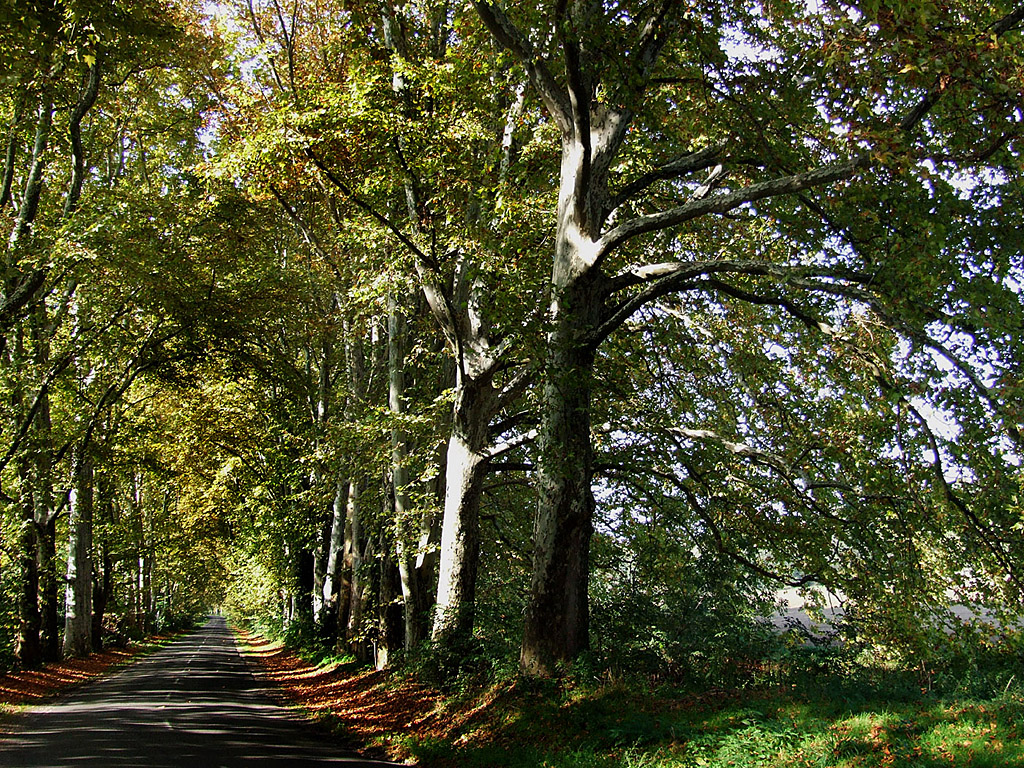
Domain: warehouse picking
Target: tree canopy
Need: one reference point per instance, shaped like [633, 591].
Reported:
[421, 327]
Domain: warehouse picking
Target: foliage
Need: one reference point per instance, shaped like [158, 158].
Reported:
[863, 717]
[8, 614]
[819, 384]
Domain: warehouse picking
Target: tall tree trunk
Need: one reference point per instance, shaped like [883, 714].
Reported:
[287, 604]
[321, 556]
[357, 555]
[390, 615]
[466, 467]
[303, 611]
[351, 590]
[146, 563]
[320, 411]
[557, 616]
[46, 515]
[329, 609]
[46, 526]
[414, 613]
[103, 581]
[78, 600]
[27, 650]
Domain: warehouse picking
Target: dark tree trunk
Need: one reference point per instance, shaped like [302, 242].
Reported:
[304, 606]
[48, 589]
[28, 649]
[390, 635]
[101, 589]
[557, 618]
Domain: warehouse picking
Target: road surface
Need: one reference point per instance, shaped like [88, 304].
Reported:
[193, 704]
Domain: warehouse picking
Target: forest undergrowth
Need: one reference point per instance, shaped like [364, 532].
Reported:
[807, 707]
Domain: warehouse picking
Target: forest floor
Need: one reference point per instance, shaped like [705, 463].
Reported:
[834, 723]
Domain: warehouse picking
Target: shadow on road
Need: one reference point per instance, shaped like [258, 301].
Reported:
[194, 703]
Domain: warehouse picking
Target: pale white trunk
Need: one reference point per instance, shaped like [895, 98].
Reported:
[322, 548]
[400, 477]
[335, 552]
[78, 597]
[356, 595]
[321, 554]
[460, 543]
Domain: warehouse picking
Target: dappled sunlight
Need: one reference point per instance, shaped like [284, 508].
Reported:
[614, 725]
[369, 704]
[36, 684]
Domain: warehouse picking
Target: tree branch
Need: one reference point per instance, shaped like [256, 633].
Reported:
[680, 166]
[673, 277]
[85, 103]
[719, 538]
[508, 35]
[364, 206]
[723, 203]
[984, 532]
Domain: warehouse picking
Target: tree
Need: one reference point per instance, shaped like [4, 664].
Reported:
[731, 138]
[383, 137]
[101, 129]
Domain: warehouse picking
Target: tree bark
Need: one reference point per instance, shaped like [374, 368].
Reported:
[557, 616]
[103, 582]
[78, 600]
[27, 650]
[48, 585]
[327, 618]
[357, 586]
[390, 616]
[412, 598]
[321, 556]
[466, 467]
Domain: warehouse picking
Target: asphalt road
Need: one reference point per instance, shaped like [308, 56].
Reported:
[191, 704]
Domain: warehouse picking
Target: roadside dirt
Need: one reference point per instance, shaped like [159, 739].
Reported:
[31, 686]
[371, 707]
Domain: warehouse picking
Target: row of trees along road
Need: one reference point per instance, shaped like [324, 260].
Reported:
[429, 322]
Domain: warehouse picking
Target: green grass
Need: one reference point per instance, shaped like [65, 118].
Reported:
[813, 726]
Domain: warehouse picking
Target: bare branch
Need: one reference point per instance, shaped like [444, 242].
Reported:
[775, 301]
[508, 35]
[723, 203]
[364, 206]
[515, 442]
[680, 166]
[716, 532]
[1008, 23]
[988, 537]
[676, 277]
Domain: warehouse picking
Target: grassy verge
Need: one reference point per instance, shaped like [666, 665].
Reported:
[621, 727]
[812, 721]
